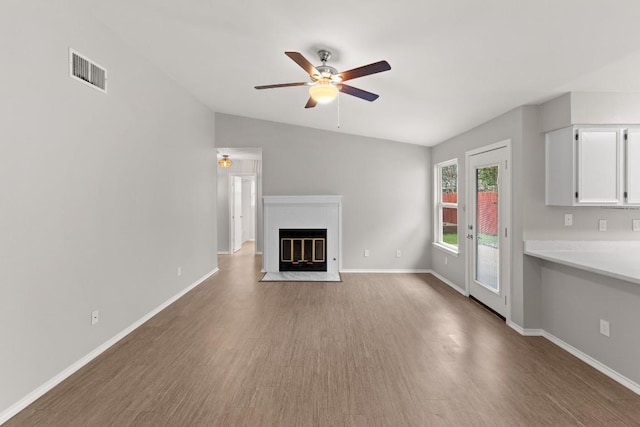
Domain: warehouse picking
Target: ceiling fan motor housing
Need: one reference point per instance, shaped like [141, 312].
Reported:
[325, 71]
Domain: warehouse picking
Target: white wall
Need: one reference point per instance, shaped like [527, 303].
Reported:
[509, 126]
[563, 301]
[532, 219]
[573, 301]
[102, 196]
[386, 185]
[547, 222]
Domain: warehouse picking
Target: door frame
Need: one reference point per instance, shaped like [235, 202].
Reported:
[505, 220]
[230, 206]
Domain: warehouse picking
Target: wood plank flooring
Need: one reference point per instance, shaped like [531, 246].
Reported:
[375, 350]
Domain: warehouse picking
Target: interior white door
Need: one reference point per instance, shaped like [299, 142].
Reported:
[488, 221]
[237, 213]
[248, 208]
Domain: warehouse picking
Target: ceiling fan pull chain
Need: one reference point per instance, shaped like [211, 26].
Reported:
[338, 111]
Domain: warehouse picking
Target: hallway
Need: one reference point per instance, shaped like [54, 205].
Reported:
[375, 350]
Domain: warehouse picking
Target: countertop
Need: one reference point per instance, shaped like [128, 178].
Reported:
[618, 259]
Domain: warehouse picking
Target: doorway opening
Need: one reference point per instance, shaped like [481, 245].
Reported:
[242, 225]
[239, 210]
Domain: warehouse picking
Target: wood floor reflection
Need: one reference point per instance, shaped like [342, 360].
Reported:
[374, 350]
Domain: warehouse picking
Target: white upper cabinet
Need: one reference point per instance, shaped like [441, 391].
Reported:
[589, 166]
[632, 167]
[598, 167]
[559, 166]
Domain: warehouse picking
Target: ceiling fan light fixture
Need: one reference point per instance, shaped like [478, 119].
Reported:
[324, 91]
[225, 161]
[326, 81]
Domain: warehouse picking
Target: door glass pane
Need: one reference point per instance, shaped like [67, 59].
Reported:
[486, 241]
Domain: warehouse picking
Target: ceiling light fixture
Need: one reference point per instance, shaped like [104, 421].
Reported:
[225, 161]
[324, 91]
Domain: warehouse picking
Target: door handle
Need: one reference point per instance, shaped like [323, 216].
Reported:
[469, 236]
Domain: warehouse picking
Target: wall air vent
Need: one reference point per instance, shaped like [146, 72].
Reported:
[87, 71]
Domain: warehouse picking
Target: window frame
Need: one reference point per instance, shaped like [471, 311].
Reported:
[439, 205]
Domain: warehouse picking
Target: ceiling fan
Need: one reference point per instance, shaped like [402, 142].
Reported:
[326, 81]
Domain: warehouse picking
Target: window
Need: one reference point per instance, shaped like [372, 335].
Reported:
[446, 205]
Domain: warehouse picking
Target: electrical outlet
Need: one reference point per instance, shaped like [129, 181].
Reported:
[366, 252]
[446, 260]
[605, 328]
[635, 225]
[398, 253]
[179, 271]
[602, 225]
[95, 317]
[568, 219]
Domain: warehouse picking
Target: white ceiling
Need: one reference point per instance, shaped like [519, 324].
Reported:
[455, 64]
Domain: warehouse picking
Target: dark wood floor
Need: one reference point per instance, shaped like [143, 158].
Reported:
[375, 350]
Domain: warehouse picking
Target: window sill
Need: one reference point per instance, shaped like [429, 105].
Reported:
[446, 248]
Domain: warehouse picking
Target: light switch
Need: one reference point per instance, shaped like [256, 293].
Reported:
[635, 225]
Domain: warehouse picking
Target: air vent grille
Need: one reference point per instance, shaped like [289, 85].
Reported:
[88, 71]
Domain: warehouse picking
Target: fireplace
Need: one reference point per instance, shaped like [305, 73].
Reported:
[303, 249]
[307, 215]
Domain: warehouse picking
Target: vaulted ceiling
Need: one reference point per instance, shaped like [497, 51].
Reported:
[455, 64]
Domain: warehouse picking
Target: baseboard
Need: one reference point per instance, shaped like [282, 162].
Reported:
[449, 282]
[384, 271]
[525, 332]
[38, 392]
[616, 376]
[599, 366]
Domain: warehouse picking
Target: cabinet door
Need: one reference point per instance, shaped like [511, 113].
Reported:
[632, 167]
[599, 166]
[560, 175]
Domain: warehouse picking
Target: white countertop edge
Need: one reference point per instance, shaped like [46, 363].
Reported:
[580, 245]
[558, 251]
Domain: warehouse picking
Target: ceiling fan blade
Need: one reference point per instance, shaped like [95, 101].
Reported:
[311, 103]
[359, 93]
[365, 70]
[302, 61]
[281, 85]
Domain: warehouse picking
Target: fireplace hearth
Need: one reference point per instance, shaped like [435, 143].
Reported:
[303, 249]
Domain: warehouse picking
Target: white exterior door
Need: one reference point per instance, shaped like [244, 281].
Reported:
[488, 228]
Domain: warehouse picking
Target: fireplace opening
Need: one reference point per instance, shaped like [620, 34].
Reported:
[303, 249]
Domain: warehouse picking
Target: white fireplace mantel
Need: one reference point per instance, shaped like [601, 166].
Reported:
[302, 212]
